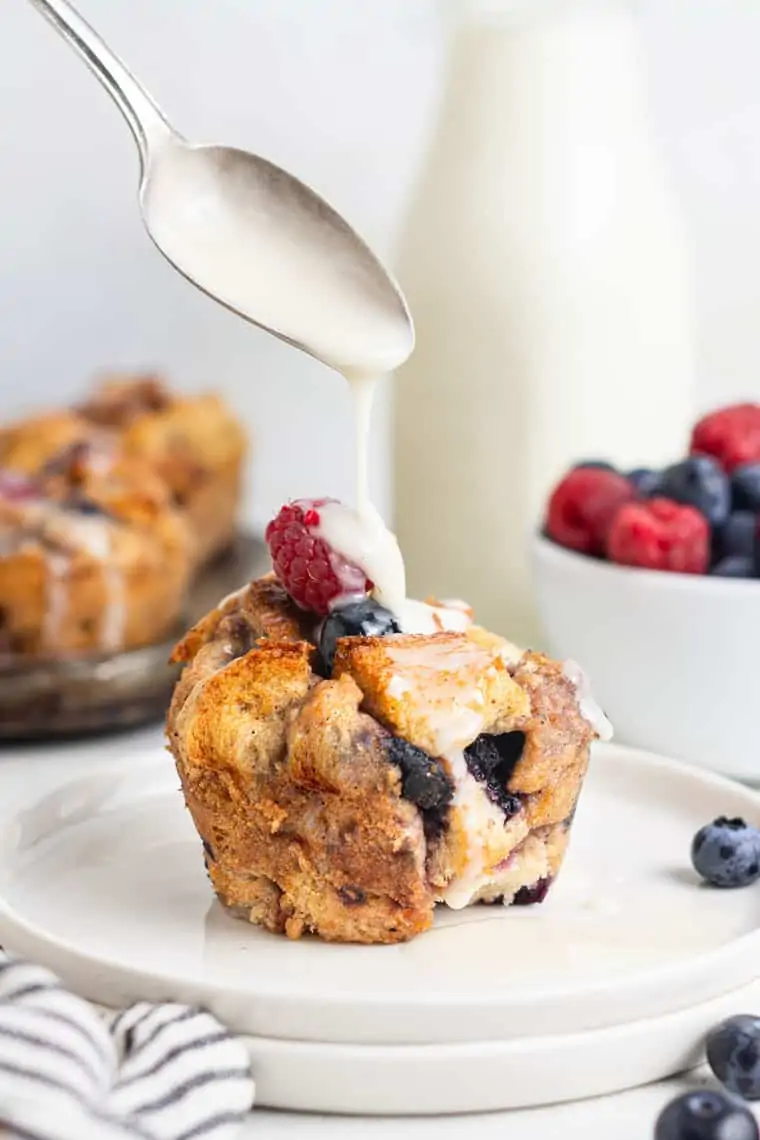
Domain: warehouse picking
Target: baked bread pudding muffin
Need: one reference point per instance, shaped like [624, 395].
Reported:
[93, 557]
[349, 767]
[193, 444]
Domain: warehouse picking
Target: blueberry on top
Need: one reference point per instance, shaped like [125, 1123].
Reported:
[726, 853]
[745, 487]
[699, 482]
[364, 618]
[424, 781]
[491, 760]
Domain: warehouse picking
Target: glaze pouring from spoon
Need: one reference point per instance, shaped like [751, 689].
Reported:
[266, 246]
[251, 235]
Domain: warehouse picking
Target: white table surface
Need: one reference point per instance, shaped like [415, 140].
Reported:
[29, 771]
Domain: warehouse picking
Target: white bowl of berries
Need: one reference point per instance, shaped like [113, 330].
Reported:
[651, 581]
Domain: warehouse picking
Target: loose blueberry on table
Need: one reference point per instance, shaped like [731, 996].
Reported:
[726, 853]
[733, 1054]
[698, 515]
[705, 1115]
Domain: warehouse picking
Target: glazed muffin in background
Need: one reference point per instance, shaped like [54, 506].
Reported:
[93, 559]
[107, 510]
[194, 444]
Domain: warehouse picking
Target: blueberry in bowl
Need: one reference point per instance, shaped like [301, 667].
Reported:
[650, 575]
[594, 465]
[737, 538]
[734, 566]
[699, 482]
[646, 481]
[745, 487]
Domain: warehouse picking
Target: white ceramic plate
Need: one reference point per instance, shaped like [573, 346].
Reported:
[403, 1080]
[104, 882]
[303, 1076]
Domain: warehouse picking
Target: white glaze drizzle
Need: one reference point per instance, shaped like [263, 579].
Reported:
[450, 716]
[69, 533]
[56, 598]
[94, 536]
[361, 537]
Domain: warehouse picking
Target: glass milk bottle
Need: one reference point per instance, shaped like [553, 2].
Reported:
[549, 281]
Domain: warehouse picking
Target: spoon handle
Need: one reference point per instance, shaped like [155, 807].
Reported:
[145, 120]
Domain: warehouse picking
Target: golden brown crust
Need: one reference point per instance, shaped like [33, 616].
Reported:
[301, 812]
[294, 785]
[260, 609]
[438, 670]
[32, 443]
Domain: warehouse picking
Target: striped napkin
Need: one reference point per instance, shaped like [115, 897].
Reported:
[152, 1072]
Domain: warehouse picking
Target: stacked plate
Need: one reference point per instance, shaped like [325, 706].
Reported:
[612, 983]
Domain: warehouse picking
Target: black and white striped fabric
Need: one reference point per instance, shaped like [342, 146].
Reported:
[152, 1072]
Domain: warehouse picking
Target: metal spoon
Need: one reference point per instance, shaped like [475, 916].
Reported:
[249, 234]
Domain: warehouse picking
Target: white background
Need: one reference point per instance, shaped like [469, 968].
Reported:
[341, 92]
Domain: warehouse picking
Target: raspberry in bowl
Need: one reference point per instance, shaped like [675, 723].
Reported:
[659, 597]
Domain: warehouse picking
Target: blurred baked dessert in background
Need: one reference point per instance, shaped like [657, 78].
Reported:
[93, 557]
[107, 510]
[194, 444]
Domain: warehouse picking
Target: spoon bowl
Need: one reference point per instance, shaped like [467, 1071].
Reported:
[249, 234]
[265, 245]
